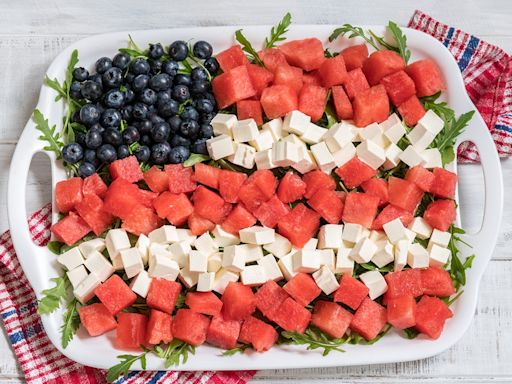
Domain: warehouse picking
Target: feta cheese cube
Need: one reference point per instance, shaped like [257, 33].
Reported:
[352, 232]
[439, 238]
[344, 264]
[395, 230]
[339, 136]
[253, 275]
[220, 146]
[223, 124]
[371, 154]
[370, 131]
[326, 280]
[432, 158]
[269, 265]
[244, 156]
[411, 156]
[306, 161]
[76, 275]
[363, 251]
[393, 153]
[197, 261]
[296, 122]
[166, 234]
[280, 247]
[263, 142]
[71, 259]
[326, 257]
[252, 252]
[438, 256]
[160, 249]
[311, 243]
[323, 157]
[205, 281]
[375, 282]
[164, 267]
[85, 290]
[395, 132]
[431, 122]
[314, 134]
[390, 121]
[142, 245]
[215, 262]
[410, 235]
[185, 235]
[376, 236]
[89, 246]
[275, 127]
[384, 254]
[401, 250]
[234, 258]
[132, 262]
[344, 154]
[222, 278]
[180, 252]
[223, 238]
[330, 236]
[285, 153]
[257, 235]
[188, 278]
[421, 228]
[140, 284]
[115, 241]
[264, 159]
[285, 263]
[245, 130]
[420, 137]
[417, 256]
[205, 244]
[306, 260]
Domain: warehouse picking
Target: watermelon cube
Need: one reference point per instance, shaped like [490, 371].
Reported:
[115, 294]
[261, 335]
[360, 208]
[271, 211]
[401, 312]
[427, 77]
[420, 176]
[431, 314]
[207, 175]
[354, 172]
[328, 205]
[312, 78]
[199, 225]
[404, 283]
[147, 197]
[411, 110]
[444, 183]
[238, 302]
[68, 193]
[206, 303]
[260, 77]
[390, 213]
[299, 225]
[131, 330]
[331, 318]
[141, 220]
[302, 288]
[377, 187]
[223, 333]
[316, 180]
[355, 82]
[231, 58]
[175, 207]
[257, 189]
[239, 218]
[249, 109]
[232, 86]
[369, 319]
[278, 100]
[382, 63]
[190, 327]
[230, 183]
[127, 168]
[342, 104]
[399, 87]
[159, 328]
[209, 205]
[162, 294]
[440, 214]
[333, 71]
[181, 179]
[437, 282]
[272, 58]
[351, 292]
[156, 179]
[291, 316]
[70, 229]
[94, 185]
[371, 106]
[290, 76]
[355, 56]
[404, 194]
[307, 54]
[291, 188]
[312, 99]
[91, 210]
[269, 297]
[96, 319]
[122, 198]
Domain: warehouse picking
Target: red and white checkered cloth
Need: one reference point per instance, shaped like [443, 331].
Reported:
[487, 72]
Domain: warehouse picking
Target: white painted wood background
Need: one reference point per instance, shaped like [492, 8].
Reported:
[33, 32]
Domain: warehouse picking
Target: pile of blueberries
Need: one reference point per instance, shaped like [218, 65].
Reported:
[145, 106]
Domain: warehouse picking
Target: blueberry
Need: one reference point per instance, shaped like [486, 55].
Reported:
[160, 132]
[180, 93]
[148, 96]
[182, 79]
[103, 64]
[160, 153]
[140, 82]
[170, 67]
[212, 65]
[189, 113]
[128, 96]
[93, 139]
[199, 73]
[140, 111]
[199, 146]
[80, 138]
[114, 99]
[151, 110]
[145, 126]
[206, 131]
[110, 118]
[146, 140]
[126, 112]
[163, 96]
[96, 78]
[178, 154]
[204, 106]
[75, 90]
[89, 114]
[142, 153]
[112, 136]
[178, 140]
[112, 78]
[189, 128]
[155, 51]
[130, 135]
[160, 82]
[90, 156]
[86, 169]
[155, 119]
[155, 66]
[178, 50]
[91, 90]
[128, 78]
[72, 153]
[211, 97]
[199, 87]
[202, 50]
[75, 117]
[174, 123]
[140, 66]
[121, 61]
[80, 74]
[170, 108]
[206, 118]
[106, 153]
[122, 152]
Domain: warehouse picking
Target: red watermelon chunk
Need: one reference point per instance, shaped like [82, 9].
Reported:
[351, 292]
[437, 282]
[420, 176]
[360, 208]
[261, 335]
[431, 314]
[369, 319]
[444, 183]
[269, 297]
[333, 71]
[272, 58]
[316, 180]
[399, 87]
[162, 294]
[389, 213]
[141, 220]
[291, 188]
[229, 184]
[190, 327]
[175, 207]
[354, 172]
[427, 77]
[131, 330]
[411, 110]
[199, 225]
[404, 283]
[223, 333]
[377, 187]
[91, 210]
[440, 214]
[371, 106]
[231, 58]
[96, 319]
[401, 312]
[206, 303]
[299, 225]
[312, 99]
[355, 56]
[68, 193]
[382, 63]
[238, 302]
[302, 288]
[207, 175]
[70, 229]
[181, 179]
[307, 54]
[147, 197]
[249, 109]
[239, 218]
[356, 82]
[115, 294]
[291, 316]
[232, 86]
[331, 318]
[94, 185]
[122, 198]
[209, 205]
[257, 189]
[328, 205]
[159, 328]
[127, 168]
[290, 76]
[404, 194]
[342, 104]
[156, 179]
[312, 78]
[260, 77]
[278, 100]
[271, 211]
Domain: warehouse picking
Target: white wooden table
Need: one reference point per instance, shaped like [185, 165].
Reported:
[33, 32]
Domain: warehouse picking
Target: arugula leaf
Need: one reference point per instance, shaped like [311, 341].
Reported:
[454, 298]
[400, 39]
[351, 31]
[445, 140]
[234, 351]
[411, 333]
[457, 268]
[248, 48]
[53, 296]
[123, 367]
[133, 49]
[48, 133]
[176, 353]
[54, 246]
[194, 159]
[277, 32]
[180, 301]
[71, 323]
[315, 339]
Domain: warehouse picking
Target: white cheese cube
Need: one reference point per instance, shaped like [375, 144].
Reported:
[330, 236]
[253, 275]
[431, 122]
[264, 160]
[285, 153]
[363, 251]
[205, 281]
[438, 256]
[411, 156]
[285, 263]
[77, 275]
[327, 258]
[71, 259]
[263, 142]
[166, 234]
[220, 146]
[344, 264]
[306, 260]
[420, 138]
[85, 290]
[390, 121]
[158, 249]
[257, 235]
[326, 280]
[323, 157]
[164, 267]
[185, 235]
[132, 262]
[393, 153]
[370, 131]
[339, 136]
[142, 245]
[275, 127]
[311, 243]
[115, 241]
[223, 124]
[401, 250]
[440, 238]
[245, 130]
[269, 265]
[280, 247]
[417, 256]
[395, 132]
[422, 229]
[296, 122]
[314, 134]
[234, 258]
[306, 161]
[380, 140]
[197, 261]
[395, 230]
[432, 158]
[140, 284]
[410, 235]
[188, 278]
[352, 232]
[384, 255]
[222, 278]
[223, 238]
[375, 282]
[205, 244]
[344, 154]
[215, 262]
[252, 252]
[371, 154]
[179, 252]
[376, 236]
[89, 246]
[244, 156]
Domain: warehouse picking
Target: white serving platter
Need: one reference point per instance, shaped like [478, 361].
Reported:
[40, 264]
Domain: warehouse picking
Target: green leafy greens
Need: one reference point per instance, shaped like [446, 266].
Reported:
[176, 353]
[125, 364]
[277, 33]
[315, 339]
[71, 323]
[457, 267]
[234, 351]
[48, 134]
[248, 48]
[53, 297]
[133, 50]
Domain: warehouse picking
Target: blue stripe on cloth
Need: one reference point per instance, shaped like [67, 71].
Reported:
[16, 337]
[123, 379]
[154, 379]
[502, 127]
[5, 315]
[468, 52]
[449, 36]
